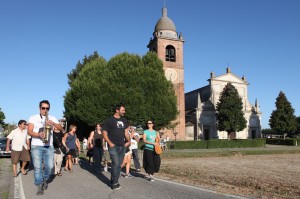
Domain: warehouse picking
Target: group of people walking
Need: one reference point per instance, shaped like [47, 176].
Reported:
[115, 137]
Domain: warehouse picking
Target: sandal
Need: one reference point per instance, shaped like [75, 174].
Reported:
[65, 169]
[59, 174]
[24, 172]
[71, 170]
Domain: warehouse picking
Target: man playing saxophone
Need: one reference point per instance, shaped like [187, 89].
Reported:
[40, 129]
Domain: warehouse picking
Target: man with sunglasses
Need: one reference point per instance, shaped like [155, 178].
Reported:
[42, 153]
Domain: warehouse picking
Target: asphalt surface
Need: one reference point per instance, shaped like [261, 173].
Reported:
[84, 183]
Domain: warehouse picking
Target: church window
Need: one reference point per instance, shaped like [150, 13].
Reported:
[170, 53]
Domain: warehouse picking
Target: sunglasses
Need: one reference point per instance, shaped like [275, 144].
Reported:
[45, 108]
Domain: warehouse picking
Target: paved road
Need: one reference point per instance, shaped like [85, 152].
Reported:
[84, 183]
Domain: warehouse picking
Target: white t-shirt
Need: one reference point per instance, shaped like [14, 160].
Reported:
[38, 121]
[18, 138]
[85, 142]
[134, 143]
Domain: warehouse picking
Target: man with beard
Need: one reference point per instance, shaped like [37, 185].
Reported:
[115, 132]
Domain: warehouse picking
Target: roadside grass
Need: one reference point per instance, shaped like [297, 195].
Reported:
[204, 153]
[198, 153]
[4, 195]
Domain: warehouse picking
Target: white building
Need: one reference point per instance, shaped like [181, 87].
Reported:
[200, 109]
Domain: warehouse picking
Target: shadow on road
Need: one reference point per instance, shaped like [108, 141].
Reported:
[84, 164]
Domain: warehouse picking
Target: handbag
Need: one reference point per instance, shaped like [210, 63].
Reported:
[157, 148]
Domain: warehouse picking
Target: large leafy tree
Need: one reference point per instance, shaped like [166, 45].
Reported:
[282, 119]
[75, 72]
[229, 111]
[2, 117]
[137, 82]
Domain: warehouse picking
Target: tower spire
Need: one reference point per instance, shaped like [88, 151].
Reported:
[256, 105]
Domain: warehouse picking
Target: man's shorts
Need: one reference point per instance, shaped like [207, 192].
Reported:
[20, 155]
[105, 156]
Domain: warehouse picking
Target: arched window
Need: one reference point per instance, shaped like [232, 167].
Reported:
[170, 53]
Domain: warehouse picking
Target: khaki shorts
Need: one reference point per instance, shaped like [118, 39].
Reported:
[105, 156]
[20, 155]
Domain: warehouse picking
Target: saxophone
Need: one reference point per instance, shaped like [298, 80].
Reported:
[47, 129]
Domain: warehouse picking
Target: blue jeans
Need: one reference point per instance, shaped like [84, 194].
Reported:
[40, 155]
[117, 156]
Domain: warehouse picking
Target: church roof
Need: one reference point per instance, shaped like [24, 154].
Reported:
[192, 97]
[165, 23]
[229, 77]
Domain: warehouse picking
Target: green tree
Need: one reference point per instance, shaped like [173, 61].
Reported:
[75, 72]
[282, 119]
[229, 111]
[267, 131]
[2, 117]
[137, 82]
[298, 127]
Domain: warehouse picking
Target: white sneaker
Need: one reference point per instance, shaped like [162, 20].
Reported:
[151, 179]
[128, 175]
[105, 169]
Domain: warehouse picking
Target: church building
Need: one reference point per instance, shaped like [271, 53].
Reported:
[196, 119]
[201, 103]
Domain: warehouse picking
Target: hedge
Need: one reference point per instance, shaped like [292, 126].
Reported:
[281, 141]
[210, 144]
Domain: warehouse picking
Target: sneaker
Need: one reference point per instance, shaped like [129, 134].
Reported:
[40, 190]
[116, 186]
[45, 185]
[138, 170]
[105, 169]
[128, 175]
[151, 179]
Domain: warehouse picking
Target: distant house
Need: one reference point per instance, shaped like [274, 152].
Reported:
[200, 109]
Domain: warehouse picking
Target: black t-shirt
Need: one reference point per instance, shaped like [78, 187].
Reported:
[115, 128]
[57, 139]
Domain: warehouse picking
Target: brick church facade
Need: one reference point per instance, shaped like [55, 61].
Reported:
[169, 47]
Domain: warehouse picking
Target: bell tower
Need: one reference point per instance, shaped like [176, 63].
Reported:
[169, 47]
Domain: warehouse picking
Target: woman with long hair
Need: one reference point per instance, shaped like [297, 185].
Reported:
[96, 142]
[151, 160]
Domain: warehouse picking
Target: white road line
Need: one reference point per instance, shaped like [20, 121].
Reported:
[202, 189]
[18, 189]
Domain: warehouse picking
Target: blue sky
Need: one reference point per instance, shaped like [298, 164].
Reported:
[42, 41]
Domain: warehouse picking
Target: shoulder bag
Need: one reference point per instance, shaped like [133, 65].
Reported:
[157, 147]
